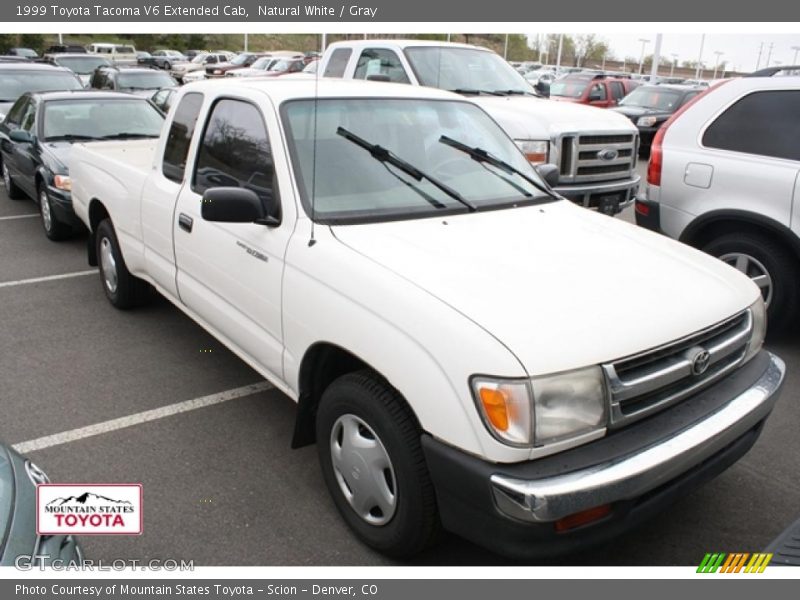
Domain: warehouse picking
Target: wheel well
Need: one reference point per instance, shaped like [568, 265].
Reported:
[703, 234]
[322, 364]
[97, 213]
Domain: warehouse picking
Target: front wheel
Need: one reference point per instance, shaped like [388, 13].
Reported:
[122, 289]
[373, 464]
[53, 228]
[771, 267]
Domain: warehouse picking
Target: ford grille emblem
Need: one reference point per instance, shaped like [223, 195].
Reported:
[700, 359]
[608, 154]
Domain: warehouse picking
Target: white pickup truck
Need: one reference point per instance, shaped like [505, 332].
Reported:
[594, 149]
[387, 257]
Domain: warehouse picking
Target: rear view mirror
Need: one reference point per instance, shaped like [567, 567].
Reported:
[378, 77]
[235, 205]
[549, 173]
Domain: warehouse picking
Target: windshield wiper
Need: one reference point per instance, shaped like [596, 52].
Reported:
[482, 156]
[512, 93]
[118, 136]
[383, 155]
[473, 92]
[69, 137]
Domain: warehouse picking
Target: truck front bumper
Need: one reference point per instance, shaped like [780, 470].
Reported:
[611, 197]
[515, 509]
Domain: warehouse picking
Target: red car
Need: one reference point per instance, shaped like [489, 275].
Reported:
[592, 89]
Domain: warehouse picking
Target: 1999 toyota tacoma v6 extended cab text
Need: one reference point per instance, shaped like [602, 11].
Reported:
[388, 258]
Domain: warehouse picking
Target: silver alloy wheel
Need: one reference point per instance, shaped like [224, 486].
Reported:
[363, 470]
[754, 269]
[6, 177]
[44, 206]
[108, 265]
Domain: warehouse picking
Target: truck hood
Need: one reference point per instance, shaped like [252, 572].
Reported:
[560, 286]
[527, 117]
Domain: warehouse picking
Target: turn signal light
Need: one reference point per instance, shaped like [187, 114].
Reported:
[583, 518]
[495, 408]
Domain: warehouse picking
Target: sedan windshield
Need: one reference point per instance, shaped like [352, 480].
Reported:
[241, 59]
[656, 98]
[15, 83]
[263, 63]
[464, 70]
[150, 80]
[568, 89]
[83, 65]
[93, 118]
[369, 159]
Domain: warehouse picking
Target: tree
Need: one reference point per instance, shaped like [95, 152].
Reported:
[34, 41]
[589, 47]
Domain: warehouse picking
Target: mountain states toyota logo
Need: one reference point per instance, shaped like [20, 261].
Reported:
[89, 509]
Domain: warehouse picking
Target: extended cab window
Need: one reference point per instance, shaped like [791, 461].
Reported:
[380, 62]
[765, 123]
[337, 63]
[235, 152]
[180, 135]
[598, 92]
[617, 90]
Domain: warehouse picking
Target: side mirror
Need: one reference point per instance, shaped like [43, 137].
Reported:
[20, 136]
[235, 205]
[549, 172]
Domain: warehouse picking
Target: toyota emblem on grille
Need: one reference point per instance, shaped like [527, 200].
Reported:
[608, 154]
[700, 359]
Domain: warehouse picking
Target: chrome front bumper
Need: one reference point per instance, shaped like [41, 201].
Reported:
[552, 498]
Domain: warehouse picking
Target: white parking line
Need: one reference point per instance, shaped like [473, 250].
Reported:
[47, 278]
[30, 216]
[138, 418]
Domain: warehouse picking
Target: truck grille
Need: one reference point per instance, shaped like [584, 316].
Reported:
[580, 161]
[645, 383]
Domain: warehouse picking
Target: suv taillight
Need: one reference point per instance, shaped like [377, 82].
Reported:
[656, 148]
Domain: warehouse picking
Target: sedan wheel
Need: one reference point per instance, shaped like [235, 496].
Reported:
[108, 265]
[47, 217]
[11, 188]
[53, 228]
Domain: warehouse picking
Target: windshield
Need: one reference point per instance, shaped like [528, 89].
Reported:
[657, 98]
[568, 89]
[15, 83]
[100, 118]
[150, 80]
[263, 63]
[464, 69]
[281, 65]
[83, 65]
[241, 59]
[353, 186]
[199, 59]
[27, 52]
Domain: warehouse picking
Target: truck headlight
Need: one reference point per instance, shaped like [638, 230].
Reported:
[646, 121]
[537, 152]
[758, 312]
[542, 410]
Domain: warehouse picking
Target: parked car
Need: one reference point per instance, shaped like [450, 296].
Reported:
[36, 139]
[190, 54]
[271, 66]
[649, 106]
[83, 65]
[163, 59]
[65, 48]
[163, 98]
[240, 61]
[23, 52]
[118, 54]
[723, 177]
[593, 89]
[143, 81]
[199, 63]
[18, 538]
[442, 386]
[17, 78]
[566, 135]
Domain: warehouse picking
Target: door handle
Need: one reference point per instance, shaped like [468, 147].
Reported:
[185, 222]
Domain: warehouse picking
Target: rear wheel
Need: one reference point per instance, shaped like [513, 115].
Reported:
[12, 190]
[769, 265]
[373, 465]
[122, 289]
[53, 228]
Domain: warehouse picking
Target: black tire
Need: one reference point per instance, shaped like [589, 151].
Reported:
[128, 291]
[414, 524]
[14, 192]
[167, 66]
[780, 266]
[54, 229]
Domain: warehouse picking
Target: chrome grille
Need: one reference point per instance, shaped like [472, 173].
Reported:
[579, 161]
[645, 383]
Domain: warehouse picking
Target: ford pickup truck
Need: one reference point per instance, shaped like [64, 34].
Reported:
[386, 256]
[595, 151]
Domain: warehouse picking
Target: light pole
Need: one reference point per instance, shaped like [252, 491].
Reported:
[641, 56]
[716, 63]
[769, 53]
[796, 50]
[700, 57]
[760, 50]
[505, 48]
[560, 47]
[674, 62]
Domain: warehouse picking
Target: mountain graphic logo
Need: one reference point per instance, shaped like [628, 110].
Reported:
[86, 499]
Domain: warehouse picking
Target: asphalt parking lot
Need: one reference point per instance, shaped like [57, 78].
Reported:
[221, 485]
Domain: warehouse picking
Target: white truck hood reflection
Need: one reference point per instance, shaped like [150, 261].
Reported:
[560, 286]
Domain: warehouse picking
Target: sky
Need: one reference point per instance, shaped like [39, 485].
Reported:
[740, 50]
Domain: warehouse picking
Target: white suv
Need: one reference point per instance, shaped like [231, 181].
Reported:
[724, 176]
